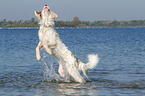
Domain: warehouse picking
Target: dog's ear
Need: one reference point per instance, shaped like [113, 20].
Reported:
[38, 14]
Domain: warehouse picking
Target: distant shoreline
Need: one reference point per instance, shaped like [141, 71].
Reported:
[75, 23]
[69, 27]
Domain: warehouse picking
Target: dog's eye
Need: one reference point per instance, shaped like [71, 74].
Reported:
[40, 14]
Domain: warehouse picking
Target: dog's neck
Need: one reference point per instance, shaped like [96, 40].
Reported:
[47, 23]
[45, 26]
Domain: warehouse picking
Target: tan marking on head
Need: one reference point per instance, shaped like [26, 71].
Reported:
[38, 14]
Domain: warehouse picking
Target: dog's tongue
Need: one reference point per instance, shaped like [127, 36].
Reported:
[46, 8]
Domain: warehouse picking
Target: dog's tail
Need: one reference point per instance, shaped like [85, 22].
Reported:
[93, 60]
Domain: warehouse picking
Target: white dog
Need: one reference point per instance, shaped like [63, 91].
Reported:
[51, 42]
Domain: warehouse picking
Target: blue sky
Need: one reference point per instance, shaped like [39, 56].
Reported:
[86, 10]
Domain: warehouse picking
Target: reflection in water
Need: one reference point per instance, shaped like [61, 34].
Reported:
[90, 88]
[70, 89]
[76, 89]
[66, 89]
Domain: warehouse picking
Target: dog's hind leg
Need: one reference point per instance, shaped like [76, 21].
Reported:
[60, 69]
[76, 75]
[38, 56]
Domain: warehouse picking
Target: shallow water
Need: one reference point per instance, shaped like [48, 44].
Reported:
[121, 69]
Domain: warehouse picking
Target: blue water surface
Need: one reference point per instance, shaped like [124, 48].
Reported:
[120, 72]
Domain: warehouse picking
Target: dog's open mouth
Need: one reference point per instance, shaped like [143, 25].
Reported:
[46, 8]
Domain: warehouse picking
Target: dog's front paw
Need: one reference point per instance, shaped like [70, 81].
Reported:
[38, 57]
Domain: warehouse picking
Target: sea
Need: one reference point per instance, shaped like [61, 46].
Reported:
[120, 71]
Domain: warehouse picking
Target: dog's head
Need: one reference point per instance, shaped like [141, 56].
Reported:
[46, 17]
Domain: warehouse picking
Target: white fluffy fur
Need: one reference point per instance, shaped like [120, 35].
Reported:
[93, 60]
[51, 42]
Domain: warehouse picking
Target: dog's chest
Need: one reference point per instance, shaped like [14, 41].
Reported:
[46, 33]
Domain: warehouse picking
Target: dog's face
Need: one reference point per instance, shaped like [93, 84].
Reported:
[44, 13]
[46, 17]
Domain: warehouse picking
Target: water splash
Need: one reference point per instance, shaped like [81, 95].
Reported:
[49, 71]
[49, 67]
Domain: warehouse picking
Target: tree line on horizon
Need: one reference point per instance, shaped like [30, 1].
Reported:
[74, 23]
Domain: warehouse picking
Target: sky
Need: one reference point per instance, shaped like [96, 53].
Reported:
[86, 10]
